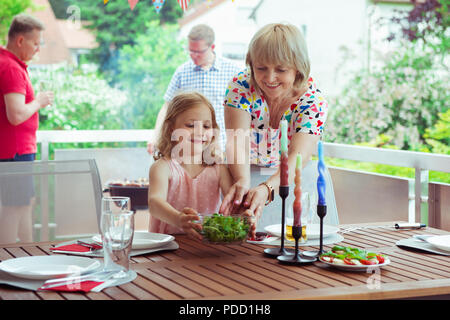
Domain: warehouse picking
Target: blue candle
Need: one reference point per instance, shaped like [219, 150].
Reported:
[321, 178]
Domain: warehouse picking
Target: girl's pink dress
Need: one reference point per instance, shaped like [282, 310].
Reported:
[201, 193]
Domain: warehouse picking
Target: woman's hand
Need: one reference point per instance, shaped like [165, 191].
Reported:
[187, 216]
[252, 206]
[233, 200]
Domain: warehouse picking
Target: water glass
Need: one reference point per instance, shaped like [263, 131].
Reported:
[45, 86]
[305, 218]
[117, 228]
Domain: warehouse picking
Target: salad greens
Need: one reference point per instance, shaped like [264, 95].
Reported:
[220, 228]
[352, 256]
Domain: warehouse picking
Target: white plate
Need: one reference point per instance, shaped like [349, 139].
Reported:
[144, 240]
[47, 267]
[441, 242]
[312, 230]
[348, 267]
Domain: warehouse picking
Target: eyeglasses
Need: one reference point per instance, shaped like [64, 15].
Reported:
[198, 52]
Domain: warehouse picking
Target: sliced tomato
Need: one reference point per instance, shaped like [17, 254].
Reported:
[380, 258]
[349, 262]
[367, 262]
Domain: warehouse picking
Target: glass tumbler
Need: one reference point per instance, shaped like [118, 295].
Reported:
[117, 228]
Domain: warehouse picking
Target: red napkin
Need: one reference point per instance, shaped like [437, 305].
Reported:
[84, 286]
[75, 248]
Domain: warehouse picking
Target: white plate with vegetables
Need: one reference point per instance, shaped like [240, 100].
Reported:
[353, 259]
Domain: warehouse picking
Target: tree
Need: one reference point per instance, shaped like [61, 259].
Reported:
[145, 70]
[402, 98]
[8, 9]
[115, 26]
[427, 23]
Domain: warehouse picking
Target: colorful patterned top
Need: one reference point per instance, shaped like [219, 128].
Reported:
[307, 114]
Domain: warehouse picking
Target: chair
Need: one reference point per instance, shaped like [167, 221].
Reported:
[272, 213]
[64, 196]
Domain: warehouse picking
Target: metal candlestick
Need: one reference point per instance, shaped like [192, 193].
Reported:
[297, 257]
[275, 252]
[321, 212]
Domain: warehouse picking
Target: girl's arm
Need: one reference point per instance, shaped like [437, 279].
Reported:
[159, 207]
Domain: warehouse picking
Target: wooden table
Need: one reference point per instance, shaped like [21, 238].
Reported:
[240, 272]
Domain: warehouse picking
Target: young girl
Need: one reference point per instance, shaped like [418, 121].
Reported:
[185, 179]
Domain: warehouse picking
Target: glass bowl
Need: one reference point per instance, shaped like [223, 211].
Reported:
[220, 229]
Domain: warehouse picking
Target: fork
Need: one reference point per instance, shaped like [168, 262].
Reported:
[350, 229]
[92, 246]
[96, 276]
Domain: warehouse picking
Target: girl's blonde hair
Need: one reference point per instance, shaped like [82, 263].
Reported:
[179, 104]
[280, 44]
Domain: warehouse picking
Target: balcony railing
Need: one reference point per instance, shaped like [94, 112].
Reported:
[419, 202]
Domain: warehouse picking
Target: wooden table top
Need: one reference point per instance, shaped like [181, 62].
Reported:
[240, 272]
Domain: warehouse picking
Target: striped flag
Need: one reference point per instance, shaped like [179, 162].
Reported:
[183, 4]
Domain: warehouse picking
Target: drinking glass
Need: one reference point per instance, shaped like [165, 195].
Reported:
[45, 86]
[305, 218]
[117, 228]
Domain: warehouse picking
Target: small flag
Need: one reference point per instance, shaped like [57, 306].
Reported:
[105, 1]
[132, 3]
[183, 4]
[158, 4]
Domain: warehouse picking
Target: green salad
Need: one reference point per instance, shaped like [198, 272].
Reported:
[352, 256]
[220, 228]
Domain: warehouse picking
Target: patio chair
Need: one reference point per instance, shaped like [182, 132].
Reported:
[272, 213]
[63, 199]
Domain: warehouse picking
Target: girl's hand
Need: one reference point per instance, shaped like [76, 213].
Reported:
[187, 216]
[233, 200]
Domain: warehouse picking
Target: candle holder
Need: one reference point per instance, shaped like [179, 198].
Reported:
[321, 212]
[275, 252]
[297, 257]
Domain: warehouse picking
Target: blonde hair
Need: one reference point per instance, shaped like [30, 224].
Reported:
[202, 32]
[23, 23]
[179, 104]
[280, 44]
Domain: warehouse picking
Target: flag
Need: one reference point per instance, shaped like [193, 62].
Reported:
[132, 3]
[105, 1]
[158, 4]
[183, 4]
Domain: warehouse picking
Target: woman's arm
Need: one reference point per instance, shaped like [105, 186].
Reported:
[237, 123]
[159, 207]
[302, 143]
[226, 181]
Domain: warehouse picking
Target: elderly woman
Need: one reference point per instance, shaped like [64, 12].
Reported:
[276, 86]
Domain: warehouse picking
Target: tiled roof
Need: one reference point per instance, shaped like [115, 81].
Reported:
[59, 37]
[76, 37]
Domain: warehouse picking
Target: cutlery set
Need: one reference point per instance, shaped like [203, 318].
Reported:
[100, 276]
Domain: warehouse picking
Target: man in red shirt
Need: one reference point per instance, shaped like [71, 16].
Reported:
[19, 121]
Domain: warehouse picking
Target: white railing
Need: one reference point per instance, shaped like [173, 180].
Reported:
[421, 162]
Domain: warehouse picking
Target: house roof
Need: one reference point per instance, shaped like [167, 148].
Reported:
[77, 38]
[60, 36]
[54, 49]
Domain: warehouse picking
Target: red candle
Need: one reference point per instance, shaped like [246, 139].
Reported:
[297, 206]
[284, 170]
